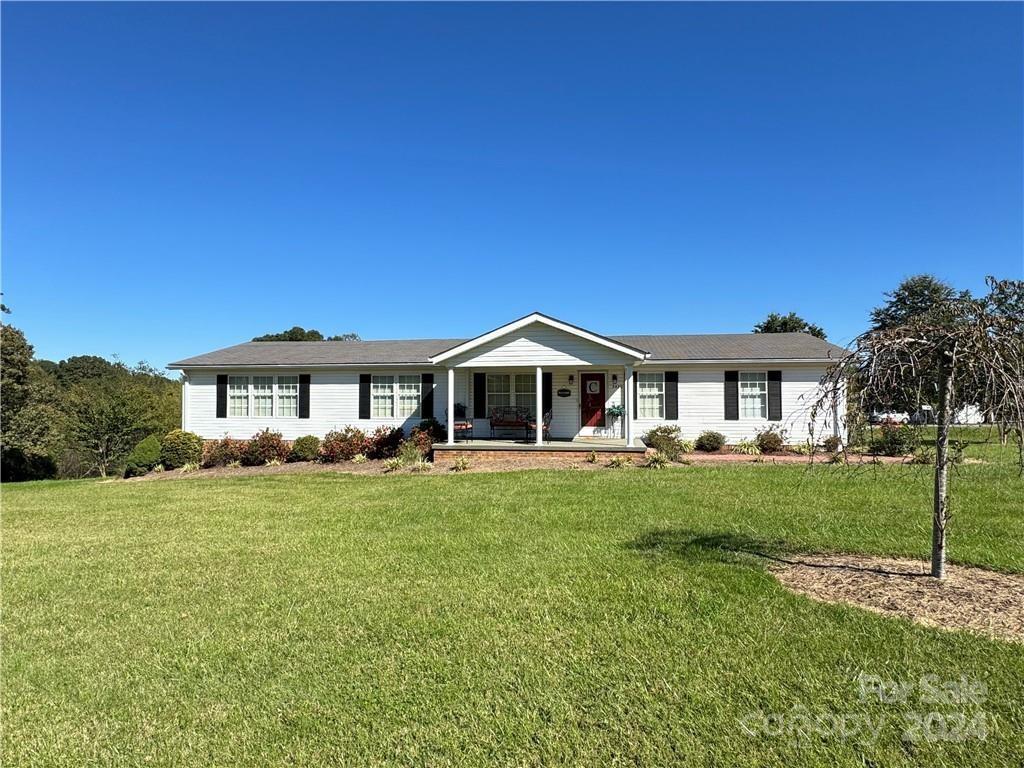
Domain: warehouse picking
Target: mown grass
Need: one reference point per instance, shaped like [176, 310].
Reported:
[548, 617]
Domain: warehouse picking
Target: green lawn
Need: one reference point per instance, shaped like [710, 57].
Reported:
[534, 618]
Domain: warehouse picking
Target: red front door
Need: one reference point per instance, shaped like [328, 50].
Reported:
[592, 399]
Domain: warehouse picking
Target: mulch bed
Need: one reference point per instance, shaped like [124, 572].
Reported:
[972, 599]
[515, 462]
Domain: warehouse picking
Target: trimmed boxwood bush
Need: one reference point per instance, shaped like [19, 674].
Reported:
[221, 453]
[709, 441]
[143, 457]
[265, 447]
[770, 440]
[305, 448]
[343, 445]
[180, 448]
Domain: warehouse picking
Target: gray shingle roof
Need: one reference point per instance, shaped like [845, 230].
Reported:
[734, 346]
[724, 346]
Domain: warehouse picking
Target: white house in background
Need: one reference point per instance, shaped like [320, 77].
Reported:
[736, 384]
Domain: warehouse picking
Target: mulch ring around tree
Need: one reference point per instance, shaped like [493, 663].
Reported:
[972, 599]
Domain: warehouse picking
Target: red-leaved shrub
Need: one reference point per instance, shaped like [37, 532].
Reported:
[220, 453]
[384, 442]
[342, 445]
[265, 447]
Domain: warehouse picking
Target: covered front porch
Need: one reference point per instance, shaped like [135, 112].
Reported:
[540, 406]
[539, 380]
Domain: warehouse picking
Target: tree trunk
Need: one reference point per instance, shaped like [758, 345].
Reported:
[940, 511]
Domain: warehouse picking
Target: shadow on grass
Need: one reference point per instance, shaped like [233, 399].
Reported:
[733, 548]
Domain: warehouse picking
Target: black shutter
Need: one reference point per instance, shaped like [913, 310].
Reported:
[636, 403]
[303, 395]
[479, 395]
[364, 395]
[774, 395]
[546, 391]
[672, 395]
[732, 395]
[427, 402]
[222, 396]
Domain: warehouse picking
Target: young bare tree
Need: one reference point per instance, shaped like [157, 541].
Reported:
[961, 351]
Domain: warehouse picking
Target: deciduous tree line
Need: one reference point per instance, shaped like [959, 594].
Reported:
[78, 417]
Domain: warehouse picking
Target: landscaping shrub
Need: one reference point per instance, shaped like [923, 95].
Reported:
[893, 440]
[437, 430]
[305, 448]
[143, 457]
[342, 445]
[409, 452]
[423, 439]
[180, 448]
[223, 453]
[392, 465]
[667, 440]
[747, 447]
[831, 444]
[421, 465]
[617, 462]
[359, 458]
[384, 442]
[591, 457]
[265, 447]
[770, 440]
[189, 467]
[657, 460]
[461, 464]
[709, 442]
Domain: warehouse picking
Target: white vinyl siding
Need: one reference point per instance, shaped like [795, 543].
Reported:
[288, 396]
[539, 344]
[333, 403]
[753, 395]
[238, 396]
[702, 396]
[650, 395]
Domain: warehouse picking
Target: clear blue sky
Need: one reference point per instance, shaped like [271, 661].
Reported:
[179, 177]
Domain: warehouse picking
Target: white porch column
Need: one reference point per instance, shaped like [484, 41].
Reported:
[540, 406]
[451, 406]
[627, 398]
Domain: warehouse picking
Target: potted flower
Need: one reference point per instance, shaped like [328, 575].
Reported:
[614, 413]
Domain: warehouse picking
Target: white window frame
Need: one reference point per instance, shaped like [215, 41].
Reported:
[658, 377]
[508, 392]
[254, 398]
[378, 393]
[762, 391]
[395, 396]
[418, 410]
[246, 398]
[278, 397]
[529, 394]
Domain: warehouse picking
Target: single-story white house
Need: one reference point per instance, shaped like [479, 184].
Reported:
[736, 384]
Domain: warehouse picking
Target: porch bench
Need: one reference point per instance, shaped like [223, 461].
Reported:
[510, 417]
